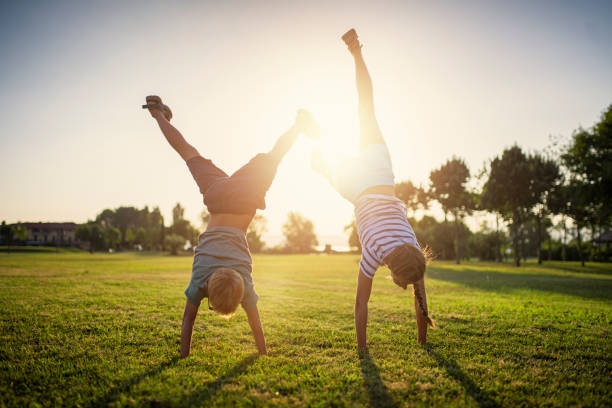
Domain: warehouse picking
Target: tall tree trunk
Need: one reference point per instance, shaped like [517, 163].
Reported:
[163, 234]
[499, 243]
[516, 239]
[563, 246]
[549, 248]
[579, 239]
[594, 248]
[457, 243]
[539, 224]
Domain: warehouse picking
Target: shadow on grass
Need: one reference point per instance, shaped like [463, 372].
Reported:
[454, 370]
[197, 399]
[379, 395]
[585, 287]
[210, 389]
[125, 387]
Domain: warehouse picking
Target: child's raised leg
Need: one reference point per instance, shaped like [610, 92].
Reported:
[369, 130]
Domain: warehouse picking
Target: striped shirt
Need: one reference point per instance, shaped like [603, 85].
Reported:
[382, 226]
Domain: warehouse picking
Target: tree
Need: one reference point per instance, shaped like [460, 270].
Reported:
[93, 234]
[177, 213]
[588, 161]
[507, 192]
[154, 229]
[6, 234]
[448, 188]
[128, 220]
[438, 236]
[112, 237]
[125, 218]
[353, 239]
[486, 244]
[545, 177]
[12, 233]
[204, 218]
[20, 232]
[411, 195]
[299, 234]
[585, 194]
[572, 199]
[174, 242]
[254, 234]
[182, 227]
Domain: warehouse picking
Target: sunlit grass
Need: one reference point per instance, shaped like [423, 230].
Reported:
[103, 329]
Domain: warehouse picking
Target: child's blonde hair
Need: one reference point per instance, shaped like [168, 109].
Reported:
[407, 264]
[225, 291]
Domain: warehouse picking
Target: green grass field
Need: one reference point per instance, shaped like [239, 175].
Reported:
[103, 330]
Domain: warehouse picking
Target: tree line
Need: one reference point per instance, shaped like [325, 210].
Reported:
[545, 204]
[129, 228]
[568, 187]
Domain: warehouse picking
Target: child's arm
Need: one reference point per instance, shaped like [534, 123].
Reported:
[173, 136]
[420, 318]
[258, 334]
[364, 289]
[189, 317]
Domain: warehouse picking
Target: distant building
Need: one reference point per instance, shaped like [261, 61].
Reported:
[50, 233]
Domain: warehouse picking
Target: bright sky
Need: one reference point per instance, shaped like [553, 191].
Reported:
[463, 78]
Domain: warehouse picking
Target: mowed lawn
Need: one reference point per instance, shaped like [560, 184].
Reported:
[103, 330]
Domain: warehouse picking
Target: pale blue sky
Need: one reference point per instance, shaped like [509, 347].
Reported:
[463, 78]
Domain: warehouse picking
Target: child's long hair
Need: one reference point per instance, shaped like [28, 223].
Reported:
[225, 291]
[422, 304]
[407, 264]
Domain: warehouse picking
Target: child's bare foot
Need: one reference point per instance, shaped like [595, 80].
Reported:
[351, 40]
[154, 102]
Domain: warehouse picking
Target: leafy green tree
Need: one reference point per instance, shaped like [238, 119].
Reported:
[174, 242]
[545, 178]
[485, 244]
[448, 187]
[141, 237]
[6, 234]
[154, 229]
[128, 220]
[205, 218]
[587, 191]
[181, 226]
[353, 239]
[299, 234]
[124, 219]
[255, 232]
[413, 196]
[572, 199]
[91, 233]
[20, 232]
[130, 237]
[178, 213]
[589, 161]
[507, 192]
[438, 236]
[112, 237]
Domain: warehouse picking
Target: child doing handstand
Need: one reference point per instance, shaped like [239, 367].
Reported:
[385, 235]
[222, 265]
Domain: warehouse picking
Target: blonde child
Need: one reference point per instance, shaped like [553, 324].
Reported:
[222, 265]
